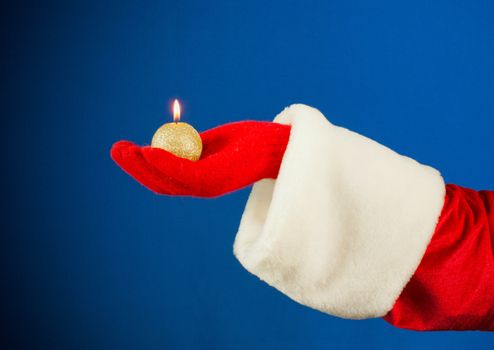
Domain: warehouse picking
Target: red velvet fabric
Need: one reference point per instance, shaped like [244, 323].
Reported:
[234, 156]
[453, 287]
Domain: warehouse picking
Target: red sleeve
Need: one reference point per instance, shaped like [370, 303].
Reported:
[453, 287]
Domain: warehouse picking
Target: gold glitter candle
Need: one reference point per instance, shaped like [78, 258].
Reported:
[178, 138]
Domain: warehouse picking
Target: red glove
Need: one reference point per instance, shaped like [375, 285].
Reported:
[234, 156]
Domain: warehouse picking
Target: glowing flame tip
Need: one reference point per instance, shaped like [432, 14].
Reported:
[176, 111]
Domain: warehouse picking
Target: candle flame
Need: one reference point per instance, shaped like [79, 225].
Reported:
[176, 111]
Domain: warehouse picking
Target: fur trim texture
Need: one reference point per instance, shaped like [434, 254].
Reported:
[345, 224]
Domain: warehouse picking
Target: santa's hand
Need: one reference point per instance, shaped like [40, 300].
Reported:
[349, 227]
[234, 156]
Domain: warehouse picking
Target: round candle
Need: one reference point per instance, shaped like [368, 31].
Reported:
[178, 138]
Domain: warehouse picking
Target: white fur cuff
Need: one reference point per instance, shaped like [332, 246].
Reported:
[346, 223]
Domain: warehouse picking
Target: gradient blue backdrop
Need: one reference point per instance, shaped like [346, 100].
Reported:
[92, 260]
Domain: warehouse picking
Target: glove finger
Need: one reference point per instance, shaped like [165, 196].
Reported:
[130, 158]
[182, 174]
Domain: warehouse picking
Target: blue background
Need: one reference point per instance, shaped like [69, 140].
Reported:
[92, 260]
